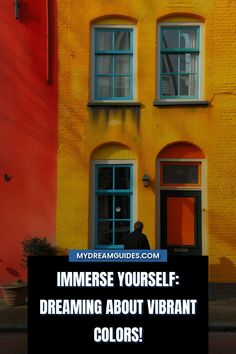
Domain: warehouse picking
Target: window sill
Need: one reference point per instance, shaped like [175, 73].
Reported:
[180, 103]
[114, 104]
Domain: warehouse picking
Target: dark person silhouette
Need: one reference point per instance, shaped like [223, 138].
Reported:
[136, 239]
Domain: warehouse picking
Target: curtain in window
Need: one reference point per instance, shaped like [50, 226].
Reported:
[188, 83]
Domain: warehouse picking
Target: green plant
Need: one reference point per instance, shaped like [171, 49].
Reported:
[37, 246]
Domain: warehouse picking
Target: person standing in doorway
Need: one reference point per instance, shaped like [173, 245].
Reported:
[136, 239]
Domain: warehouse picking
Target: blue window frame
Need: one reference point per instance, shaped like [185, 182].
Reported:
[113, 61]
[113, 204]
[179, 62]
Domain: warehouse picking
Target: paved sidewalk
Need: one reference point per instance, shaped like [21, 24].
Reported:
[222, 314]
[13, 318]
[222, 307]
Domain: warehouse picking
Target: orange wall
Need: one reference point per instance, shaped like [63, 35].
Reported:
[28, 125]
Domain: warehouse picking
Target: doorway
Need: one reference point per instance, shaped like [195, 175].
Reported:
[181, 222]
[181, 197]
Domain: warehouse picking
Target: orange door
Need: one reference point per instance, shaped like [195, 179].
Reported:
[181, 222]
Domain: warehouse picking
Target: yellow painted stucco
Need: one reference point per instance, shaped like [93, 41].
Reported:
[139, 134]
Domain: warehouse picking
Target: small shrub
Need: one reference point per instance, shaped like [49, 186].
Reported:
[37, 246]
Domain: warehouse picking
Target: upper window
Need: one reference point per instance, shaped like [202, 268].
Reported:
[113, 63]
[179, 62]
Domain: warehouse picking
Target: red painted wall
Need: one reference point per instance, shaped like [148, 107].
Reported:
[28, 131]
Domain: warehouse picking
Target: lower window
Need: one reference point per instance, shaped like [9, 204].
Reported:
[113, 204]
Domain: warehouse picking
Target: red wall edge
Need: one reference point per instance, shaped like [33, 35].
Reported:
[28, 131]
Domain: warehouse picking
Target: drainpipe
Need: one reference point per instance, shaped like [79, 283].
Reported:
[17, 11]
[49, 77]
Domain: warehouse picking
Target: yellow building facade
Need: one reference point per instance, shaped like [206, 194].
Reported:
[147, 126]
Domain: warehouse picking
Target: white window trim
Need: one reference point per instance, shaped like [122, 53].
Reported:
[201, 92]
[92, 193]
[92, 78]
[203, 189]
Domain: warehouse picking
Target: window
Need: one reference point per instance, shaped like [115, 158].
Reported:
[113, 63]
[179, 62]
[180, 173]
[113, 204]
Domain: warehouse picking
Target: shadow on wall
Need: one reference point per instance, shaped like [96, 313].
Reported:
[123, 113]
[26, 15]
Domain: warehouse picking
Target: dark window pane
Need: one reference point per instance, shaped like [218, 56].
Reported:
[104, 86]
[122, 86]
[122, 64]
[188, 38]
[104, 40]
[180, 174]
[122, 206]
[104, 233]
[105, 178]
[170, 38]
[188, 85]
[122, 40]
[169, 85]
[121, 229]
[104, 206]
[188, 63]
[122, 178]
[169, 63]
[104, 64]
